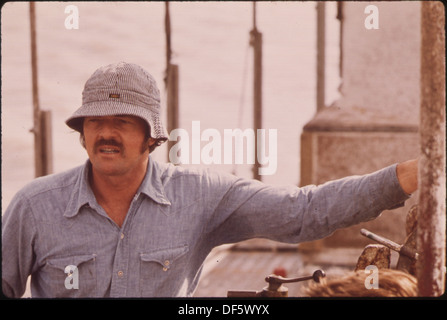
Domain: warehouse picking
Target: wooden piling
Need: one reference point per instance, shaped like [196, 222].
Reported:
[168, 41]
[43, 163]
[172, 101]
[256, 43]
[431, 231]
[321, 54]
[171, 81]
[46, 142]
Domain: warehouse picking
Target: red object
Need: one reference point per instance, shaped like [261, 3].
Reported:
[280, 271]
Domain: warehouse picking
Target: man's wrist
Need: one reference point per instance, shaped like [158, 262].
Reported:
[407, 174]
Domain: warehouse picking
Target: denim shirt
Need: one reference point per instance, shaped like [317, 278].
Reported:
[177, 216]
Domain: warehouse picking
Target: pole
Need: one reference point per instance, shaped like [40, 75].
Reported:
[171, 81]
[168, 41]
[256, 42]
[46, 142]
[321, 37]
[41, 119]
[172, 100]
[431, 235]
[36, 108]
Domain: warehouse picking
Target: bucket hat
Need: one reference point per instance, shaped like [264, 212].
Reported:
[121, 89]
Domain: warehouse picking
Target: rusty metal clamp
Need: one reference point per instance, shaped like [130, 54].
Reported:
[275, 286]
[401, 249]
[407, 252]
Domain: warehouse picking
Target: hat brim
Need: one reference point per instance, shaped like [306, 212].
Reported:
[113, 108]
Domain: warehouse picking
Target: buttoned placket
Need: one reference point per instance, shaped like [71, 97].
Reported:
[120, 272]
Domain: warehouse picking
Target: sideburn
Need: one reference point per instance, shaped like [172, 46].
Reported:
[145, 146]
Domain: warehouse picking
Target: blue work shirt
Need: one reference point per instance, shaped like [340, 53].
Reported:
[175, 219]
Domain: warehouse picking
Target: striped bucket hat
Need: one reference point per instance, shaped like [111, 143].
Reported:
[121, 89]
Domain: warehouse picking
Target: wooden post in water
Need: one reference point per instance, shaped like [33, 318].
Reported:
[43, 163]
[256, 43]
[321, 54]
[172, 101]
[432, 188]
[171, 82]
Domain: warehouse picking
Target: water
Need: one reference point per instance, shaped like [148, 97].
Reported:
[210, 44]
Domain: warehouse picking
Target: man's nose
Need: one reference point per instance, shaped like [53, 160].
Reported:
[107, 129]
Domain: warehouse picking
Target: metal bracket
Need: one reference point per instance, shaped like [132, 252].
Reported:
[275, 286]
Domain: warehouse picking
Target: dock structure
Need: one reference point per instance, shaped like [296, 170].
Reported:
[375, 121]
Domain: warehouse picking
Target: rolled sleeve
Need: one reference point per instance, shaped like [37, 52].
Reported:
[391, 193]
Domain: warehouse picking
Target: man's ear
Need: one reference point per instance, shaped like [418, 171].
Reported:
[152, 142]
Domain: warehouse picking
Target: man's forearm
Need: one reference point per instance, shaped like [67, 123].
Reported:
[407, 174]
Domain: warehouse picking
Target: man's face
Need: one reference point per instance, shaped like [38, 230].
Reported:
[116, 145]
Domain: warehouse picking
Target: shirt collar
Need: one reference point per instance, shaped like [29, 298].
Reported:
[151, 186]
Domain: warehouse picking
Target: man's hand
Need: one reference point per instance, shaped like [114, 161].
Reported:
[407, 174]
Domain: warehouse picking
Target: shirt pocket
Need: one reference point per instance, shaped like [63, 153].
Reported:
[161, 270]
[73, 276]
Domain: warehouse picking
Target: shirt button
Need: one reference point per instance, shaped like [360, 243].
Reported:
[120, 274]
[167, 263]
[122, 236]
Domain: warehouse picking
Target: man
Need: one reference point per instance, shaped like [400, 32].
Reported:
[124, 225]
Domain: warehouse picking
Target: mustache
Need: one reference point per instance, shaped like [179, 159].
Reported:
[108, 142]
